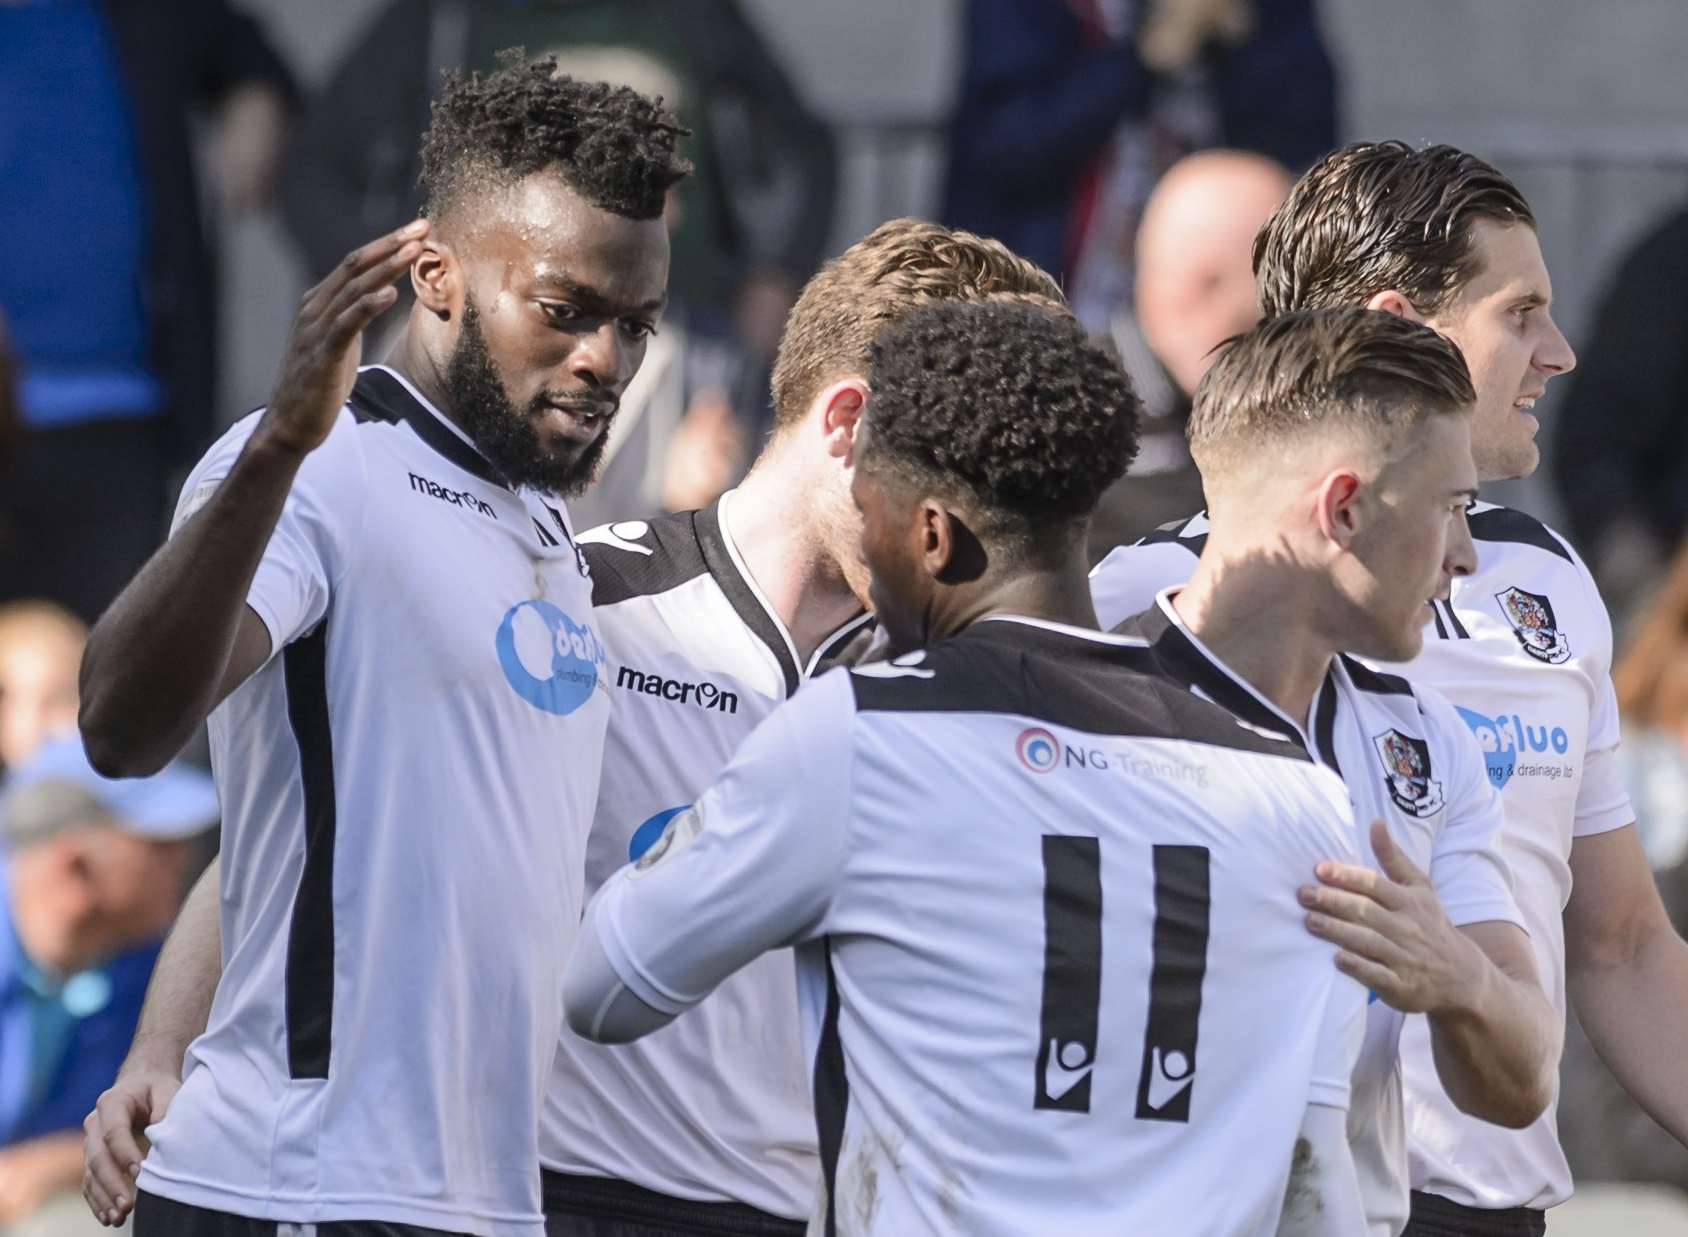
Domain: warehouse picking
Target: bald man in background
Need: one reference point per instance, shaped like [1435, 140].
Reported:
[1194, 288]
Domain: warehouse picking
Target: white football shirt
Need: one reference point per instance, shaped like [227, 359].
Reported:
[1523, 651]
[1407, 761]
[407, 786]
[1053, 973]
[715, 1106]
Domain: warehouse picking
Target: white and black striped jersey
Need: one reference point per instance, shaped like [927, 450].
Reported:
[716, 1106]
[1407, 761]
[1522, 649]
[406, 787]
[1053, 972]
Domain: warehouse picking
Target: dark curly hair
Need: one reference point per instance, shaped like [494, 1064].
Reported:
[1007, 405]
[1379, 216]
[613, 146]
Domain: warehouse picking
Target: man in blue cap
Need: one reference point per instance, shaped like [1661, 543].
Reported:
[92, 874]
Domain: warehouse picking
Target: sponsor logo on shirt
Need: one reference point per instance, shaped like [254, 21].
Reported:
[1406, 773]
[457, 498]
[1038, 750]
[645, 836]
[679, 833]
[1531, 616]
[549, 660]
[1041, 752]
[1506, 737]
[703, 695]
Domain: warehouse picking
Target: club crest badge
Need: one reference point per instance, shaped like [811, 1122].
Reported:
[1531, 616]
[1406, 773]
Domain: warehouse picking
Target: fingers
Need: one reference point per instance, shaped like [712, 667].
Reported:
[359, 263]
[120, 1118]
[1368, 882]
[1380, 979]
[1392, 859]
[1356, 939]
[105, 1188]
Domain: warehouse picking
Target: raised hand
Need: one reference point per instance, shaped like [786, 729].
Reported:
[1392, 932]
[326, 344]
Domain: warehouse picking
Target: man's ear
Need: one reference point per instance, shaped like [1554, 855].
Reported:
[1336, 504]
[838, 409]
[436, 278]
[1393, 302]
[950, 551]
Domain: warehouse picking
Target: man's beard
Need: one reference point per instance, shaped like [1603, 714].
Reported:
[506, 436]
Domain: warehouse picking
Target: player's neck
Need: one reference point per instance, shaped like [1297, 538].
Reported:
[772, 522]
[1258, 617]
[1058, 594]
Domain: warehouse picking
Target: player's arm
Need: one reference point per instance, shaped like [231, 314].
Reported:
[1127, 581]
[750, 867]
[1492, 1032]
[1323, 1199]
[177, 1006]
[180, 637]
[1627, 973]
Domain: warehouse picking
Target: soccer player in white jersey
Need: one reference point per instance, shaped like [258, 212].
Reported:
[710, 619]
[1053, 974]
[1522, 647]
[373, 591]
[1334, 448]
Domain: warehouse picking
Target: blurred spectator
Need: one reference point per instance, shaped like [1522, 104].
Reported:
[94, 872]
[1620, 458]
[1194, 288]
[108, 284]
[1651, 681]
[1070, 110]
[752, 219]
[40, 656]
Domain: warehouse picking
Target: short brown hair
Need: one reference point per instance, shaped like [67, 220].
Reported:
[873, 283]
[1312, 369]
[1376, 216]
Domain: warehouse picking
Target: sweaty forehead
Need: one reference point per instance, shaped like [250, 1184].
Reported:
[540, 229]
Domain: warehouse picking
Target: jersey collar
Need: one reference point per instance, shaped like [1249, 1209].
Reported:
[1182, 654]
[382, 393]
[721, 556]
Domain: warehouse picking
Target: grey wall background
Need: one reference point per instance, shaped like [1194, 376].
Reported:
[1584, 104]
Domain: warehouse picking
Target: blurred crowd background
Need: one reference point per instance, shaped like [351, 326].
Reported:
[174, 173]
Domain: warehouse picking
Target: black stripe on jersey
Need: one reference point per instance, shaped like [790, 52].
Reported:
[1453, 618]
[1441, 627]
[1174, 532]
[1072, 972]
[1101, 688]
[310, 935]
[1183, 906]
[1505, 524]
[1178, 657]
[1324, 725]
[378, 396]
[832, 1095]
[743, 598]
[621, 570]
[1374, 681]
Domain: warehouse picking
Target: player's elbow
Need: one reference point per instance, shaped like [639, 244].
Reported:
[1513, 1104]
[113, 752]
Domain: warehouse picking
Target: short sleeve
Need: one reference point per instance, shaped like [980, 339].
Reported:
[313, 539]
[1128, 580]
[1342, 1034]
[1472, 880]
[752, 866]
